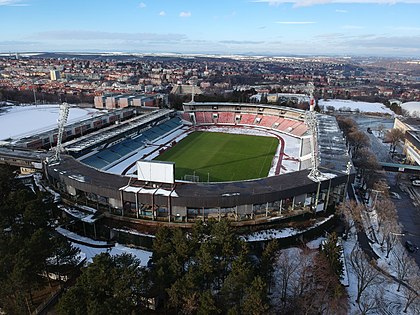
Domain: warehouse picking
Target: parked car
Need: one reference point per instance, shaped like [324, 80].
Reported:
[394, 195]
[416, 182]
[411, 247]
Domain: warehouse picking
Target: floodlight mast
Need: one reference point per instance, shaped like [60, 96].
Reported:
[64, 114]
[311, 121]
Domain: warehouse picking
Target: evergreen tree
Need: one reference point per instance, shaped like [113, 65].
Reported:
[332, 251]
[255, 300]
[110, 285]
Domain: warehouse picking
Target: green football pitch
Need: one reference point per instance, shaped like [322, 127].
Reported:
[219, 157]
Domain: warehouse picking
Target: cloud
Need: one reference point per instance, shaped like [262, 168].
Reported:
[406, 28]
[96, 35]
[388, 42]
[142, 5]
[295, 22]
[185, 14]
[302, 3]
[16, 43]
[162, 13]
[13, 3]
[241, 42]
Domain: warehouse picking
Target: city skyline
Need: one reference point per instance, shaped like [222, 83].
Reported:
[259, 27]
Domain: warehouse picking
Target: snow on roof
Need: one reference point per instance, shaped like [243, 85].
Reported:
[348, 105]
[19, 121]
[411, 107]
[78, 238]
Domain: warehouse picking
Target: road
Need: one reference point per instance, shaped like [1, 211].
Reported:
[408, 213]
[408, 208]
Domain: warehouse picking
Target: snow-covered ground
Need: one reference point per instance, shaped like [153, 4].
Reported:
[19, 121]
[90, 251]
[279, 233]
[348, 105]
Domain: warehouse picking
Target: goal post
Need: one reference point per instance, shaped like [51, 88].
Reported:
[192, 178]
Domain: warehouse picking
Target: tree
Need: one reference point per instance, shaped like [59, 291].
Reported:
[411, 292]
[404, 266]
[392, 237]
[351, 211]
[358, 139]
[237, 281]
[366, 274]
[394, 136]
[330, 297]
[346, 124]
[332, 251]
[268, 258]
[110, 285]
[255, 300]
[368, 166]
[26, 243]
[285, 268]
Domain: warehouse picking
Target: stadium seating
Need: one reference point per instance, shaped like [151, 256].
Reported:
[95, 162]
[268, 121]
[226, 118]
[285, 124]
[108, 155]
[300, 130]
[186, 117]
[247, 119]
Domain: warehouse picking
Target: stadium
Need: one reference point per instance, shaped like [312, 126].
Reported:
[249, 163]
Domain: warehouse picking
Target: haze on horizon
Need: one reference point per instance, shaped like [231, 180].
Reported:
[266, 27]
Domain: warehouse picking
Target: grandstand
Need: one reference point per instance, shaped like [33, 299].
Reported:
[127, 146]
[285, 120]
[246, 202]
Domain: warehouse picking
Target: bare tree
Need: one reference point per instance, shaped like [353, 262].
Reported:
[394, 136]
[358, 139]
[346, 124]
[330, 297]
[351, 211]
[411, 292]
[366, 274]
[384, 305]
[369, 301]
[392, 237]
[286, 266]
[368, 166]
[404, 265]
[301, 279]
[386, 212]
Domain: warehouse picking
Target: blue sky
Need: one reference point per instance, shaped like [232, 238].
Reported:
[273, 27]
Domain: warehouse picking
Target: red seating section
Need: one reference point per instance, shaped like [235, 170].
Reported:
[294, 127]
[268, 121]
[226, 118]
[247, 119]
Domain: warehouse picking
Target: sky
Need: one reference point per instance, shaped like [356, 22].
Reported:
[255, 27]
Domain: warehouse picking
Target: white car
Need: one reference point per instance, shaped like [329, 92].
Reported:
[416, 182]
[394, 195]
